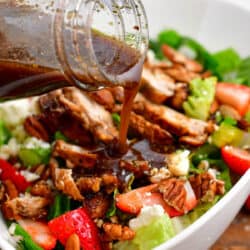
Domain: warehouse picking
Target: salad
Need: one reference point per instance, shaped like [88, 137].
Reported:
[63, 187]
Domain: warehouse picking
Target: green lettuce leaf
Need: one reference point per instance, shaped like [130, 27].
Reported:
[201, 96]
[150, 236]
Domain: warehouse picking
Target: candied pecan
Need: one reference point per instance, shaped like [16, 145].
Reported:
[157, 175]
[27, 206]
[11, 189]
[74, 155]
[177, 57]
[64, 182]
[174, 193]
[118, 232]
[41, 188]
[35, 128]
[97, 205]
[137, 167]
[73, 242]
[89, 184]
[206, 186]
[153, 132]
[110, 182]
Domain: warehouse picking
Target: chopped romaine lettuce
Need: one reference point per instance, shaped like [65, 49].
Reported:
[170, 37]
[243, 72]
[202, 95]
[228, 60]
[34, 156]
[147, 237]
[184, 221]
[5, 134]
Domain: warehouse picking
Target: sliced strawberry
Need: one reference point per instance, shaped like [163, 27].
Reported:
[237, 96]
[39, 232]
[238, 160]
[79, 222]
[133, 201]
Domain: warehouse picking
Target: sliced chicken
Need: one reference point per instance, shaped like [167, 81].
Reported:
[173, 121]
[75, 156]
[145, 129]
[92, 115]
[27, 206]
[157, 86]
[177, 57]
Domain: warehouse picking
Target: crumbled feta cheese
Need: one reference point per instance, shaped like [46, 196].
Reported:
[19, 133]
[178, 163]
[29, 176]
[146, 216]
[10, 149]
[157, 175]
[14, 113]
[33, 142]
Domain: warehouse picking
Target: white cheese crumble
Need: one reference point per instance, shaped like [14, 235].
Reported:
[178, 163]
[14, 112]
[29, 176]
[33, 142]
[146, 216]
[10, 149]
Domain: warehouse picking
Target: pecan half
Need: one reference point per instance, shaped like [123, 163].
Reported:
[41, 188]
[35, 128]
[97, 206]
[137, 167]
[118, 232]
[206, 186]
[89, 184]
[174, 193]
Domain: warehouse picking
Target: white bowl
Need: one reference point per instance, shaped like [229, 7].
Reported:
[217, 24]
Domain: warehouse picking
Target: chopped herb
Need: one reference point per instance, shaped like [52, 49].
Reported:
[117, 119]
[60, 136]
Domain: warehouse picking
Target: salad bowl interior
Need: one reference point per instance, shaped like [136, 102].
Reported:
[216, 24]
